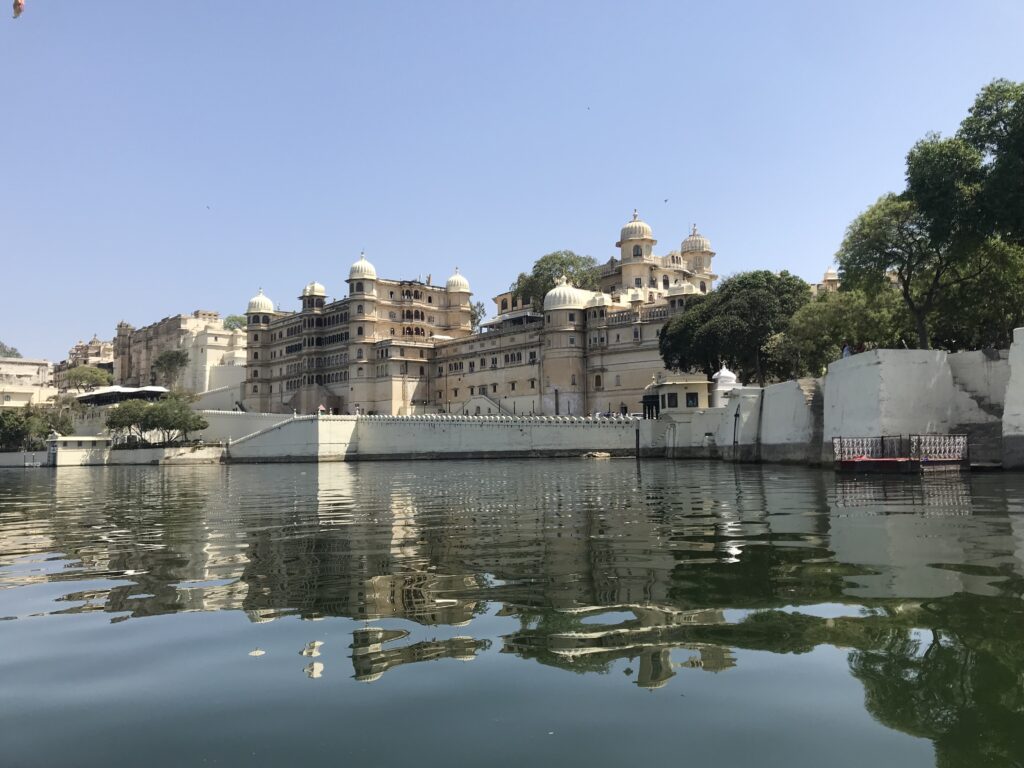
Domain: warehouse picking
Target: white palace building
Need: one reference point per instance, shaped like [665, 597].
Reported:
[402, 347]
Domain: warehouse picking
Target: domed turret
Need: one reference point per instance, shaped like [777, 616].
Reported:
[636, 229]
[362, 270]
[314, 289]
[696, 243]
[565, 296]
[457, 283]
[260, 303]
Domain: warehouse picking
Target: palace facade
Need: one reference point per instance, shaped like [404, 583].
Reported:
[216, 355]
[407, 347]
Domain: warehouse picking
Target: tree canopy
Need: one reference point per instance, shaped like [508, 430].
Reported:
[231, 322]
[87, 377]
[7, 351]
[171, 417]
[169, 364]
[582, 272]
[735, 325]
[952, 242]
[477, 314]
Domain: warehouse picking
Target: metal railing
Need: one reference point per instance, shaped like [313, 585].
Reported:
[918, 447]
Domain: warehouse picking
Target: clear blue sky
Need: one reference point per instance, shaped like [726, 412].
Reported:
[161, 157]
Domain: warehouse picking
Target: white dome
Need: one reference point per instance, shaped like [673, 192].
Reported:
[362, 270]
[260, 303]
[457, 283]
[637, 229]
[314, 289]
[725, 376]
[696, 242]
[565, 296]
[831, 274]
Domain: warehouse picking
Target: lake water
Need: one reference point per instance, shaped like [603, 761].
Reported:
[509, 613]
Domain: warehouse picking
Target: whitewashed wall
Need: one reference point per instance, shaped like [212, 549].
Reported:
[1013, 411]
[451, 436]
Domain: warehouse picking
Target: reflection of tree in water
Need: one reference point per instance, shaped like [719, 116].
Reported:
[962, 690]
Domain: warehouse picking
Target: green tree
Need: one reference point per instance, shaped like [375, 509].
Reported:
[231, 322]
[13, 429]
[736, 324]
[892, 242]
[173, 418]
[87, 377]
[819, 328]
[127, 419]
[995, 128]
[477, 314]
[6, 351]
[582, 271]
[169, 365]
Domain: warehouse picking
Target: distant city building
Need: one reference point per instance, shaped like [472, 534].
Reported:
[829, 283]
[25, 382]
[95, 352]
[216, 356]
[405, 346]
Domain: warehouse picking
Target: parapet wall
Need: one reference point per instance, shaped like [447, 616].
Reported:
[347, 438]
[397, 437]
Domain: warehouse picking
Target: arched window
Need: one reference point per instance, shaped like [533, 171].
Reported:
[359, 287]
[703, 287]
[572, 381]
[664, 282]
[255, 389]
[504, 305]
[637, 251]
[430, 299]
[359, 330]
[359, 309]
[415, 294]
[266, 318]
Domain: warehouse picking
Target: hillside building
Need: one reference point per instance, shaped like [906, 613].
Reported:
[216, 355]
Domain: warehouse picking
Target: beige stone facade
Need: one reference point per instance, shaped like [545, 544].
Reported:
[216, 356]
[25, 381]
[405, 347]
[95, 352]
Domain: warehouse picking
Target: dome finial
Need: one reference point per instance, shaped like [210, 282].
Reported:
[694, 230]
[636, 215]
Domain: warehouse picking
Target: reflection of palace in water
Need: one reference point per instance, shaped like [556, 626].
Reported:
[667, 546]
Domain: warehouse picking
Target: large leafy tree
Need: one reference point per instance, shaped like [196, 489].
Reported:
[126, 420]
[994, 127]
[87, 376]
[582, 271]
[169, 364]
[818, 330]
[231, 322]
[13, 429]
[7, 351]
[736, 325]
[951, 242]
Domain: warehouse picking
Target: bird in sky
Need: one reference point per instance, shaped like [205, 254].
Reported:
[19, 6]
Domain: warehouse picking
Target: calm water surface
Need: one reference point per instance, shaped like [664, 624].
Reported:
[509, 613]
